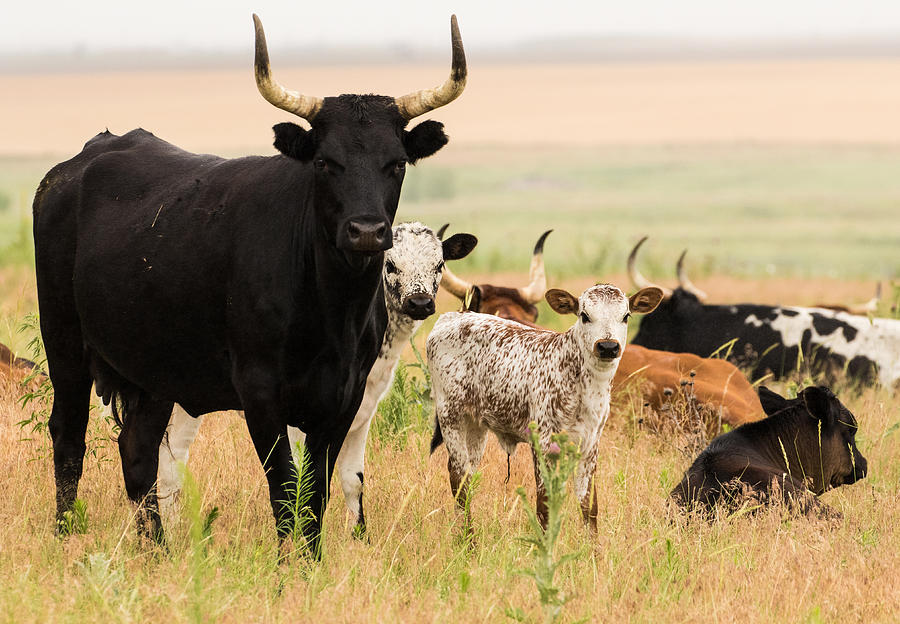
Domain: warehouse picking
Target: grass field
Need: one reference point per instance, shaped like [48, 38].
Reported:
[802, 210]
[644, 565]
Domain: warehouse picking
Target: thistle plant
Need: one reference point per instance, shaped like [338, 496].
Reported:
[556, 465]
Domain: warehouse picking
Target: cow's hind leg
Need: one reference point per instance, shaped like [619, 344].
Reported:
[144, 425]
[465, 440]
[68, 425]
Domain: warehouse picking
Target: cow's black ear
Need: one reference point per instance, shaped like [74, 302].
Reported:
[771, 401]
[561, 301]
[294, 142]
[424, 140]
[459, 246]
[821, 403]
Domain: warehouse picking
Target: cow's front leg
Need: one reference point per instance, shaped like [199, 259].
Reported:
[322, 447]
[269, 435]
[540, 495]
[145, 422]
[585, 486]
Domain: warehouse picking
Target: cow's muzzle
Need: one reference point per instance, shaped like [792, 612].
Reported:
[368, 236]
[418, 307]
[607, 349]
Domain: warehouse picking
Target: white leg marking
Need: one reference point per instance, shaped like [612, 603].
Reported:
[351, 464]
[295, 437]
[175, 448]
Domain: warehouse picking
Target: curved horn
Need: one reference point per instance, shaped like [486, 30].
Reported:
[870, 306]
[420, 102]
[685, 281]
[440, 233]
[638, 280]
[301, 105]
[454, 285]
[535, 290]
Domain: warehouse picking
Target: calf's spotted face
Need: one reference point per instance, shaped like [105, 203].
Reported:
[413, 267]
[602, 313]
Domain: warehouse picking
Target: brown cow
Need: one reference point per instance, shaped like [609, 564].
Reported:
[717, 384]
[12, 367]
[806, 446]
[515, 304]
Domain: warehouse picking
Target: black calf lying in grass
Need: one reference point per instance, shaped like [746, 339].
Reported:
[805, 446]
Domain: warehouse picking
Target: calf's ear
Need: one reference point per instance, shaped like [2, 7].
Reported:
[424, 140]
[645, 300]
[458, 246]
[771, 401]
[561, 301]
[821, 403]
[294, 142]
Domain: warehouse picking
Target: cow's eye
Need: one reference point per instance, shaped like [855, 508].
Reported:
[400, 166]
[626, 317]
[320, 164]
[440, 266]
[585, 318]
[390, 267]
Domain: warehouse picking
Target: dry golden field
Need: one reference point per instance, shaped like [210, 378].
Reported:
[644, 565]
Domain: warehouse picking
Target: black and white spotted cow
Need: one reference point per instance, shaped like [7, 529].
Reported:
[494, 374]
[412, 273]
[774, 340]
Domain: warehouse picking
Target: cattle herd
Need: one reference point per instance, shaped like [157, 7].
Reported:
[178, 284]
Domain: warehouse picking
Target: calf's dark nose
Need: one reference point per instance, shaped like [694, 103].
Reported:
[418, 306]
[607, 349]
[369, 235]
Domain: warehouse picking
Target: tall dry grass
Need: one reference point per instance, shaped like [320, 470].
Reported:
[645, 563]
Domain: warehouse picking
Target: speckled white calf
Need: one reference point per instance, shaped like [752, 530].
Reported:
[492, 374]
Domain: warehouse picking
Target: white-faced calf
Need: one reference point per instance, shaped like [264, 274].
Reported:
[806, 446]
[412, 273]
[492, 374]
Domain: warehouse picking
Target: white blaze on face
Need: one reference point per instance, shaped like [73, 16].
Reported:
[413, 265]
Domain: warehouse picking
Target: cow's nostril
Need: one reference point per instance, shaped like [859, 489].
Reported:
[418, 306]
[607, 349]
[369, 236]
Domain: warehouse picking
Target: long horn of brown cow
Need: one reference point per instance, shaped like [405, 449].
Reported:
[537, 286]
[684, 280]
[420, 102]
[301, 105]
[637, 279]
[453, 284]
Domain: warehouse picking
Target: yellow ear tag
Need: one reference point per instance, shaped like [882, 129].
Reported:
[468, 300]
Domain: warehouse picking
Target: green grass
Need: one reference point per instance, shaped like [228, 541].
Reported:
[744, 210]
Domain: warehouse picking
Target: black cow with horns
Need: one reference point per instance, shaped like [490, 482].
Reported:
[251, 283]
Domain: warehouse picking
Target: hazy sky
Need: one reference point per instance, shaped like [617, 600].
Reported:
[37, 26]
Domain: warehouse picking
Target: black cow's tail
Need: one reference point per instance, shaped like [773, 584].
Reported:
[438, 438]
